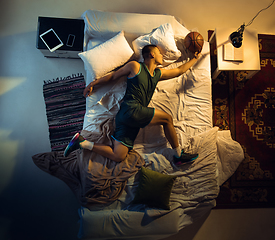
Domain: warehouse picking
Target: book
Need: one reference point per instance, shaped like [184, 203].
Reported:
[230, 53]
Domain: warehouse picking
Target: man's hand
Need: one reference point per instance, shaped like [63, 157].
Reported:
[88, 90]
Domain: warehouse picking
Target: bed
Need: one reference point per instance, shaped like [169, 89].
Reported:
[116, 198]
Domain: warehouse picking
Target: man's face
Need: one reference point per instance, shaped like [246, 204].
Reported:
[158, 56]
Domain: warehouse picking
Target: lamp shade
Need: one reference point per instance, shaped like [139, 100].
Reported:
[236, 39]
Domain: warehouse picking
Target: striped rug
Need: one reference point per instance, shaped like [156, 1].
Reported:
[65, 108]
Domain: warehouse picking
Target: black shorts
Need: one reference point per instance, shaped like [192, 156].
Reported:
[129, 119]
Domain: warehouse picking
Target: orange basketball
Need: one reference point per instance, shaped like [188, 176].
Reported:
[194, 42]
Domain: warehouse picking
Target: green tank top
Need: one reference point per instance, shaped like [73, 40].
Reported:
[141, 87]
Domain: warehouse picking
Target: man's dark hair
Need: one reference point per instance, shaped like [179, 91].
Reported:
[147, 50]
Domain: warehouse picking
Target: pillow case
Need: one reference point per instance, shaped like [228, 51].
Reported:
[230, 155]
[154, 189]
[163, 37]
[107, 56]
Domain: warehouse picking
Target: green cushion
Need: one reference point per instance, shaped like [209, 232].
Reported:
[154, 189]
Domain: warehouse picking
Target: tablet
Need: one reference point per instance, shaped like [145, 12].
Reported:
[51, 40]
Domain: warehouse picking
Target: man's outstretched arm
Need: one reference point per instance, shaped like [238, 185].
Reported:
[172, 73]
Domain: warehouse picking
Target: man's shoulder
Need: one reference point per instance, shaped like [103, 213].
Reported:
[133, 67]
[134, 63]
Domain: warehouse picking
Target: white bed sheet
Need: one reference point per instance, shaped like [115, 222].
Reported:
[188, 99]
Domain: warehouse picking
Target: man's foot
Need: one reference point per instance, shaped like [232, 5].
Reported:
[74, 144]
[185, 158]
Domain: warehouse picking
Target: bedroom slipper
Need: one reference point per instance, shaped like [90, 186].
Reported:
[185, 158]
[74, 144]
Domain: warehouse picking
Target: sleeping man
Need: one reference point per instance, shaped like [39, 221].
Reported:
[134, 112]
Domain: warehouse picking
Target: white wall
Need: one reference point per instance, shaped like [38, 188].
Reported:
[34, 205]
[18, 16]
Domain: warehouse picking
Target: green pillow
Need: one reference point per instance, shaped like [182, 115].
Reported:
[154, 189]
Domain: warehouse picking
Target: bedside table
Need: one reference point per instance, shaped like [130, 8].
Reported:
[64, 27]
[251, 55]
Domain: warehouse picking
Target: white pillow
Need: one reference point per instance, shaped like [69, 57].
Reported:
[163, 37]
[230, 155]
[107, 56]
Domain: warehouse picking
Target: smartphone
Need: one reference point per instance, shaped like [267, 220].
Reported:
[70, 40]
[51, 40]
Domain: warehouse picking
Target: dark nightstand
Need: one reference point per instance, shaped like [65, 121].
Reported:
[63, 28]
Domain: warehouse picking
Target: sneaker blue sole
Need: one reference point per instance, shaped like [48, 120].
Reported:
[179, 163]
[71, 144]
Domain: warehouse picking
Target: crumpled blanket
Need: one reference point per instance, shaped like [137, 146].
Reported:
[93, 178]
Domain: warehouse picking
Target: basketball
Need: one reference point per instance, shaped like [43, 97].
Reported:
[194, 42]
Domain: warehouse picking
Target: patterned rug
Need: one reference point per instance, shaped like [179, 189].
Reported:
[65, 108]
[247, 108]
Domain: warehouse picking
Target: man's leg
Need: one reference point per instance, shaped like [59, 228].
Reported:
[164, 119]
[117, 153]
